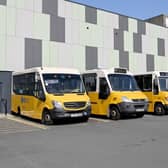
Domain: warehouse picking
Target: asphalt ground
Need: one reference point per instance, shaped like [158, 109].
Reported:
[99, 143]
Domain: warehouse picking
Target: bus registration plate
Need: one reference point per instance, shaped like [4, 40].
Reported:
[77, 115]
[139, 110]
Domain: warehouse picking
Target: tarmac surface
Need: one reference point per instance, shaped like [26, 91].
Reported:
[100, 143]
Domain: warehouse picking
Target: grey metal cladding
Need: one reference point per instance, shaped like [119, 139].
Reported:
[91, 57]
[161, 47]
[150, 64]
[123, 23]
[3, 2]
[141, 27]
[33, 53]
[91, 15]
[57, 29]
[50, 7]
[137, 45]
[124, 59]
[118, 40]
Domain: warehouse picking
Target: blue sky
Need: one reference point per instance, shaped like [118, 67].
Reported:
[141, 9]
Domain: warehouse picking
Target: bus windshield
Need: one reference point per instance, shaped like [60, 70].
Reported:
[63, 83]
[163, 83]
[121, 82]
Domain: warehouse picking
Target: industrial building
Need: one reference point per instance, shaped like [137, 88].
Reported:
[63, 33]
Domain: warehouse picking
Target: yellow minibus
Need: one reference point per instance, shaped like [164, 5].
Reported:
[114, 92]
[155, 86]
[49, 94]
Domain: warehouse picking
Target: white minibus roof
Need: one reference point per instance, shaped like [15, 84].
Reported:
[109, 71]
[48, 70]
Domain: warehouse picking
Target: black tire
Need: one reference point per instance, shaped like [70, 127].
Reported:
[46, 118]
[159, 109]
[140, 115]
[85, 119]
[114, 113]
[18, 112]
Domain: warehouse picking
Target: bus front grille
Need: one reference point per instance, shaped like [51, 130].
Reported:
[74, 105]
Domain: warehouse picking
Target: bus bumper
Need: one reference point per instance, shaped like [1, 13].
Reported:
[132, 108]
[70, 114]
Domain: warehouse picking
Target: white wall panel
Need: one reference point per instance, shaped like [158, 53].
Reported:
[61, 8]
[152, 30]
[166, 48]
[108, 58]
[29, 4]
[15, 53]
[24, 23]
[65, 55]
[38, 6]
[100, 17]
[11, 3]
[41, 26]
[72, 31]
[111, 20]
[149, 45]
[128, 41]
[54, 54]
[3, 53]
[161, 63]
[91, 35]
[108, 38]
[2, 20]
[132, 25]
[20, 4]
[45, 53]
[78, 53]
[11, 21]
[78, 12]
[68, 10]
[137, 62]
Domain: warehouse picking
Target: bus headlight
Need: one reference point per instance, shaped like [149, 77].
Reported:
[57, 105]
[88, 103]
[126, 99]
[166, 98]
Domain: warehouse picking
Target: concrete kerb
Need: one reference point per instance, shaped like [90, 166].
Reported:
[22, 121]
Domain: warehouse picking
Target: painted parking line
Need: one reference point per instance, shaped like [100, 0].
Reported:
[25, 122]
[100, 120]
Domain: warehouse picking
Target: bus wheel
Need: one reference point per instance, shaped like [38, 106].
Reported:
[114, 113]
[159, 109]
[140, 115]
[46, 118]
[19, 112]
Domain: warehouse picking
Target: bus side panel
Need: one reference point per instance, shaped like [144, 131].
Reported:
[94, 102]
[16, 103]
[151, 101]
[38, 108]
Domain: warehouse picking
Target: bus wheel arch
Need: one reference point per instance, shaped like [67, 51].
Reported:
[46, 117]
[114, 112]
[159, 108]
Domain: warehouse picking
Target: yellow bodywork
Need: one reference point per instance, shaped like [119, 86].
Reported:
[153, 99]
[33, 107]
[101, 107]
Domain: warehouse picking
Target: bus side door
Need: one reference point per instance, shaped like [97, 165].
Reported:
[103, 99]
[90, 81]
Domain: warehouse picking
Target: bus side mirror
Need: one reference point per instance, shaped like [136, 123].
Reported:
[41, 95]
[155, 87]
